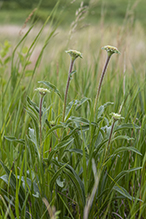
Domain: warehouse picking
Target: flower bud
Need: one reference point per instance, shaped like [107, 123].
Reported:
[74, 54]
[111, 50]
[116, 116]
[42, 91]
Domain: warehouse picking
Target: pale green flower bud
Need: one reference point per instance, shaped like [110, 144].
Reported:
[74, 54]
[116, 116]
[111, 50]
[42, 91]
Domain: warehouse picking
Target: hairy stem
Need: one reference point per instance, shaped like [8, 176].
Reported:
[67, 86]
[100, 82]
[40, 119]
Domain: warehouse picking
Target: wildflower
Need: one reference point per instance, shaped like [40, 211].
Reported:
[42, 91]
[111, 50]
[116, 116]
[74, 54]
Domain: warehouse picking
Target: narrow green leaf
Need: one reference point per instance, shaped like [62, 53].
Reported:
[68, 170]
[124, 192]
[77, 151]
[30, 183]
[11, 178]
[82, 101]
[100, 111]
[123, 173]
[31, 103]
[13, 139]
[126, 126]
[63, 144]
[53, 129]
[71, 74]
[123, 149]
[77, 183]
[103, 107]
[55, 176]
[124, 137]
[79, 120]
[36, 126]
[66, 206]
[69, 109]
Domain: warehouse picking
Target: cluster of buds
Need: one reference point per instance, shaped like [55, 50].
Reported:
[42, 91]
[74, 54]
[111, 50]
[116, 116]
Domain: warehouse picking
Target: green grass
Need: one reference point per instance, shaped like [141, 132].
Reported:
[76, 167]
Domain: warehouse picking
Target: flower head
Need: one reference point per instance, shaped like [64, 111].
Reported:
[116, 116]
[42, 91]
[111, 49]
[74, 54]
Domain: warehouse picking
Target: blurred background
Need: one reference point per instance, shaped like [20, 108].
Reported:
[16, 11]
[83, 25]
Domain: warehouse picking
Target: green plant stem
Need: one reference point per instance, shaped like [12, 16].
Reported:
[40, 120]
[67, 86]
[109, 140]
[111, 132]
[101, 79]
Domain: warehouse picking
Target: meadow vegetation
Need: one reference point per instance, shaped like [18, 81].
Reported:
[78, 157]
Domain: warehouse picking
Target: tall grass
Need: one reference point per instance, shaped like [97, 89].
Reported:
[83, 164]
